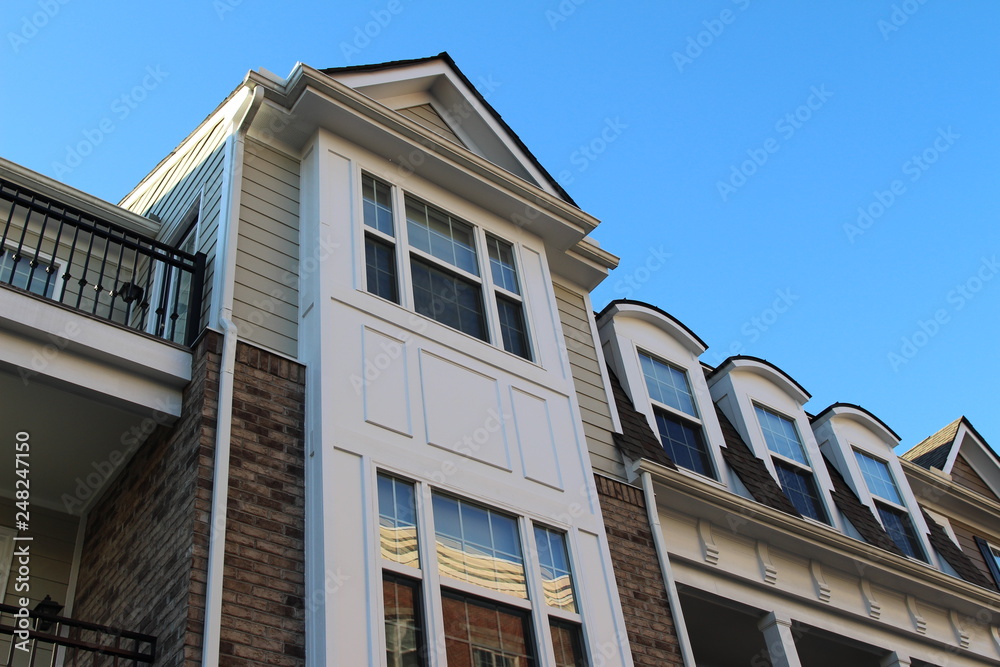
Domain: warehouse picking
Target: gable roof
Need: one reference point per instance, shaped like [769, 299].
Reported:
[494, 115]
[933, 451]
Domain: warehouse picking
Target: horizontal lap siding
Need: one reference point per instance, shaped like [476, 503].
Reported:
[586, 369]
[196, 172]
[266, 298]
[963, 473]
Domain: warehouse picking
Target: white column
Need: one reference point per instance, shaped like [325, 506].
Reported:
[779, 641]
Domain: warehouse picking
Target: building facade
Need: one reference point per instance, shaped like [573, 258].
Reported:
[327, 388]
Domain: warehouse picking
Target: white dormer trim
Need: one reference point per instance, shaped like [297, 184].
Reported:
[660, 320]
[765, 370]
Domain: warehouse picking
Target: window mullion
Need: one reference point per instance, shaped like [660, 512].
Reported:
[489, 297]
[402, 243]
[536, 594]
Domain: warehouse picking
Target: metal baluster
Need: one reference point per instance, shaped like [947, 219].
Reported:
[145, 296]
[17, 251]
[38, 249]
[55, 253]
[86, 268]
[117, 285]
[69, 262]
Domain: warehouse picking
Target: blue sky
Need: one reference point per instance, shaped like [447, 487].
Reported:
[814, 184]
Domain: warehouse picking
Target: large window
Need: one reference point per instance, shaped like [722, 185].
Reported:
[791, 464]
[889, 503]
[450, 278]
[676, 416]
[488, 592]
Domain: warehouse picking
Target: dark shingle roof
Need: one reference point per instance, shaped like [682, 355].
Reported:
[954, 555]
[751, 470]
[858, 513]
[637, 440]
[933, 452]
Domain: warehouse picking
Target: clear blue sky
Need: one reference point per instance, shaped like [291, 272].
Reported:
[746, 136]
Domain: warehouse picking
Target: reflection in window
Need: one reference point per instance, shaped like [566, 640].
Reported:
[683, 443]
[478, 545]
[668, 385]
[484, 634]
[403, 624]
[799, 486]
[781, 436]
[397, 521]
[557, 580]
[566, 644]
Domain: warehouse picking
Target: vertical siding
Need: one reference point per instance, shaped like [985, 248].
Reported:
[963, 474]
[196, 170]
[429, 118]
[585, 365]
[266, 295]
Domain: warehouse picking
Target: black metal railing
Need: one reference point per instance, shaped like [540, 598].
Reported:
[57, 640]
[95, 266]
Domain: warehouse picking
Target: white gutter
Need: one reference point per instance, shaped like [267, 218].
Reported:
[220, 481]
[680, 627]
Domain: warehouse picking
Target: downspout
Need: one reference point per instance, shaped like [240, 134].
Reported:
[680, 627]
[212, 635]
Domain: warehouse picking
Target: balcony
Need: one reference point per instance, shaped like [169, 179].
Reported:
[40, 638]
[96, 267]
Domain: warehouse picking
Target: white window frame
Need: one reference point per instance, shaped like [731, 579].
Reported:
[876, 499]
[695, 421]
[431, 582]
[808, 467]
[403, 251]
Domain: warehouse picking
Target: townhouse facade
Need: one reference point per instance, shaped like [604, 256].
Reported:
[327, 388]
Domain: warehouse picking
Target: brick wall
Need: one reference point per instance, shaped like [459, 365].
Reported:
[263, 619]
[640, 584]
[144, 557]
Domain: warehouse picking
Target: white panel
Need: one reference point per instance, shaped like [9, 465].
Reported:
[347, 577]
[542, 312]
[536, 439]
[462, 411]
[606, 638]
[382, 378]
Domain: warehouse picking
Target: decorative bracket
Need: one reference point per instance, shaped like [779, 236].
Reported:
[874, 608]
[823, 591]
[708, 548]
[956, 624]
[767, 568]
[919, 622]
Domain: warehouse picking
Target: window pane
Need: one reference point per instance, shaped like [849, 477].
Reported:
[878, 478]
[397, 521]
[377, 204]
[683, 443]
[897, 523]
[502, 264]
[800, 487]
[403, 623]
[557, 581]
[781, 436]
[448, 299]
[380, 264]
[483, 634]
[441, 235]
[668, 385]
[512, 329]
[40, 281]
[566, 644]
[478, 545]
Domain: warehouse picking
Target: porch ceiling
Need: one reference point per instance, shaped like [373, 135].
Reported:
[77, 442]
